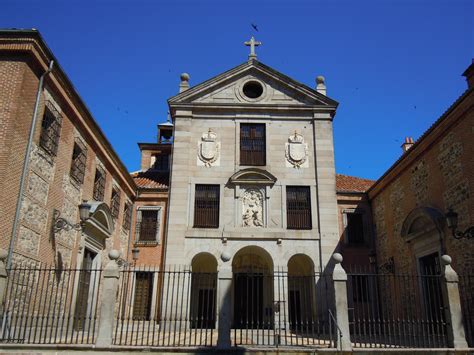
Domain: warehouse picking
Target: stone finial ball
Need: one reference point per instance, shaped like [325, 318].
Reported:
[320, 79]
[446, 259]
[114, 254]
[185, 77]
[3, 254]
[225, 256]
[337, 258]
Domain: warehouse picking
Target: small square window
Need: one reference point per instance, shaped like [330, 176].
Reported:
[148, 225]
[115, 203]
[206, 206]
[298, 207]
[252, 144]
[355, 228]
[127, 216]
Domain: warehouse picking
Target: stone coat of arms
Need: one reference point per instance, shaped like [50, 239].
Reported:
[208, 150]
[296, 150]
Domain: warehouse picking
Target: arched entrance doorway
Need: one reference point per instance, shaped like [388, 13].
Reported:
[203, 291]
[252, 268]
[301, 290]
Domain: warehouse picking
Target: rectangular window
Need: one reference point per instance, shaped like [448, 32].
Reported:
[50, 130]
[127, 216]
[206, 206]
[298, 207]
[161, 162]
[355, 228]
[252, 144]
[148, 225]
[99, 184]
[78, 164]
[143, 295]
[115, 203]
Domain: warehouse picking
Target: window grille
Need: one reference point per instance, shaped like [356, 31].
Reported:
[78, 164]
[252, 144]
[99, 184]
[148, 225]
[206, 206]
[50, 129]
[127, 216]
[115, 203]
[298, 207]
[355, 228]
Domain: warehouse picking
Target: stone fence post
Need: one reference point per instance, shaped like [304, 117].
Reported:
[224, 307]
[107, 300]
[339, 278]
[452, 303]
[3, 280]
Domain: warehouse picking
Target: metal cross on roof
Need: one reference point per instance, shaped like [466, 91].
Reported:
[252, 43]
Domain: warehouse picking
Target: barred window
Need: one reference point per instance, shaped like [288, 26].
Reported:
[298, 207]
[206, 206]
[50, 129]
[355, 228]
[78, 164]
[127, 216]
[252, 144]
[115, 203]
[99, 184]
[148, 225]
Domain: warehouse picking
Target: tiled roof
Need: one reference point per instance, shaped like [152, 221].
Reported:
[151, 179]
[345, 183]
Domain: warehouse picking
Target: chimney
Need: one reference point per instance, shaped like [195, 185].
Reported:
[407, 144]
[469, 74]
[320, 85]
[184, 85]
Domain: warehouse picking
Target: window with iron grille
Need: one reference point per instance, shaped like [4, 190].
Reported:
[252, 144]
[99, 184]
[127, 216]
[143, 295]
[50, 130]
[115, 202]
[206, 206]
[78, 164]
[354, 228]
[298, 207]
[148, 225]
[161, 162]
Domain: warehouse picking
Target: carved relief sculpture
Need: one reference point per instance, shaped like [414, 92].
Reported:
[208, 150]
[296, 151]
[252, 208]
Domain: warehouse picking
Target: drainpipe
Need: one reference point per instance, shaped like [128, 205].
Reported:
[26, 164]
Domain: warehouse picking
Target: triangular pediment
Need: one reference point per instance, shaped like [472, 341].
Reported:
[231, 88]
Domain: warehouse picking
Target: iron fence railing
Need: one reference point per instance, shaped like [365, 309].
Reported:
[395, 311]
[466, 291]
[166, 308]
[280, 309]
[47, 305]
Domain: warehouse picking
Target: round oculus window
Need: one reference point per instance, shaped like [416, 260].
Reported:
[253, 89]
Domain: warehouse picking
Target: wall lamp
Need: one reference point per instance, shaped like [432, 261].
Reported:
[452, 222]
[60, 223]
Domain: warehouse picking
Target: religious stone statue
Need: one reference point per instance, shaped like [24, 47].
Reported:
[252, 208]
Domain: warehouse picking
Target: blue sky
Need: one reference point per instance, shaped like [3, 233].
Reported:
[394, 66]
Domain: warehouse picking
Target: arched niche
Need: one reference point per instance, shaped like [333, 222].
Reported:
[252, 259]
[422, 221]
[204, 262]
[300, 265]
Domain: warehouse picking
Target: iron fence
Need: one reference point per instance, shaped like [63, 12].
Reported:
[166, 308]
[396, 311]
[47, 305]
[466, 291]
[278, 309]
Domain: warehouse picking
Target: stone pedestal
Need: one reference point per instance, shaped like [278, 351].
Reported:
[224, 308]
[339, 277]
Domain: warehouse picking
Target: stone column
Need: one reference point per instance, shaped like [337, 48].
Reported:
[339, 277]
[224, 307]
[3, 279]
[452, 303]
[107, 300]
